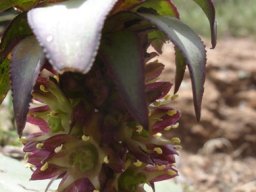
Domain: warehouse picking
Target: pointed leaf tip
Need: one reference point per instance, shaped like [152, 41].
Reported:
[190, 47]
[70, 32]
[27, 59]
[121, 52]
[209, 9]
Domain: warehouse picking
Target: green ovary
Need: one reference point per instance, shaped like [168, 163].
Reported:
[85, 158]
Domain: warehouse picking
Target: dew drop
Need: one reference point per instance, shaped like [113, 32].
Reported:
[49, 39]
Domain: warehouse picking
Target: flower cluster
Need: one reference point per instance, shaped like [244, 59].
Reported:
[89, 140]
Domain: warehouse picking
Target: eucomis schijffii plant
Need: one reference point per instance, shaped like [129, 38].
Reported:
[79, 70]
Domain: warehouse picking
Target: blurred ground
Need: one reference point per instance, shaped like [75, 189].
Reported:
[219, 152]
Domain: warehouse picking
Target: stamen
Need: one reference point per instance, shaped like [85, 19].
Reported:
[44, 167]
[39, 145]
[171, 112]
[175, 140]
[106, 160]
[43, 89]
[158, 150]
[157, 118]
[53, 113]
[171, 172]
[138, 163]
[157, 103]
[158, 135]
[58, 149]
[167, 97]
[23, 140]
[85, 138]
[26, 156]
[161, 102]
[161, 167]
[139, 128]
[175, 96]
[29, 165]
[168, 128]
[176, 125]
[56, 77]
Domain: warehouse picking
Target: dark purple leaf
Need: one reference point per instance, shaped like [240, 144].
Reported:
[57, 140]
[121, 52]
[191, 47]
[157, 90]
[166, 121]
[153, 70]
[209, 10]
[70, 32]
[27, 59]
[17, 30]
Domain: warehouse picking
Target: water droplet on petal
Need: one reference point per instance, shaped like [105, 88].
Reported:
[49, 39]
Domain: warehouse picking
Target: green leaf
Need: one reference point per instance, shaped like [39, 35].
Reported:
[4, 79]
[208, 8]
[157, 39]
[165, 7]
[162, 7]
[16, 31]
[121, 52]
[70, 32]
[153, 71]
[26, 62]
[21, 4]
[5, 4]
[125, 5]
[191, 48]
[180, 62]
